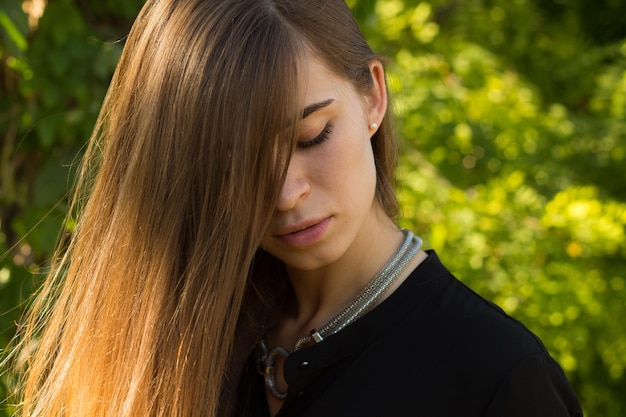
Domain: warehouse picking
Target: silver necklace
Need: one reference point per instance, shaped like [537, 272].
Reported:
[357, 308]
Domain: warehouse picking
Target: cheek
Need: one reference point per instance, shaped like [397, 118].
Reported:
[361, 153]
[350, 163]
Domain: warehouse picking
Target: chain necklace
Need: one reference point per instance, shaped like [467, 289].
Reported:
[357, 308]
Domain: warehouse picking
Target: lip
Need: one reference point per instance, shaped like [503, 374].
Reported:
[304, 233]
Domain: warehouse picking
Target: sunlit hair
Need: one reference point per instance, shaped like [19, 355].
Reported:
[151, 306]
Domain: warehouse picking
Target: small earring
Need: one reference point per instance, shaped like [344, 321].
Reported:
[373, 126]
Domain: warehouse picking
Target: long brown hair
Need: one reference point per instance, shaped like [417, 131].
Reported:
[148, 307]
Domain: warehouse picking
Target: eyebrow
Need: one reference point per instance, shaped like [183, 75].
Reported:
[312, 108]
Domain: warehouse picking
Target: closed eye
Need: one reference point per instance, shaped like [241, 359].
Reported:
[323, 136]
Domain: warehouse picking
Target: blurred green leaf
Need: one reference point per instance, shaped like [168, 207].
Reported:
[11, 30]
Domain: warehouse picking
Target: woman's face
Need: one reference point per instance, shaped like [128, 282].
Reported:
[327, 202]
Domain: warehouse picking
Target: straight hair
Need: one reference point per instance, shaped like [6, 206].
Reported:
[156, 299]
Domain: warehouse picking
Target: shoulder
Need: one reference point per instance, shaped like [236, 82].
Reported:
[466, 346]
[458, 319]
[463, 335]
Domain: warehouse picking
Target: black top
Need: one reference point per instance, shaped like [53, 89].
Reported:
[433, 348]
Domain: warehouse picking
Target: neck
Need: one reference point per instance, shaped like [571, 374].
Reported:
[323, 292]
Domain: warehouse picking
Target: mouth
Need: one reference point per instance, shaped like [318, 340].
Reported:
[304, 233]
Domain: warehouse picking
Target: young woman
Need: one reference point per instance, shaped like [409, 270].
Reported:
[235, 252]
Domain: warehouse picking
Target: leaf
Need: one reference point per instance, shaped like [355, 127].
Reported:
[14, 34]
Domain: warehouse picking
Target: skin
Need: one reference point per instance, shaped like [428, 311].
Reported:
[329, 229]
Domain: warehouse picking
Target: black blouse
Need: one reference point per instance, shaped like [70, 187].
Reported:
[433, 348]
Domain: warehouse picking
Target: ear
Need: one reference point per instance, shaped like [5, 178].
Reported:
[376, 98]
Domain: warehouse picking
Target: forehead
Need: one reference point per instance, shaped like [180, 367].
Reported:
[320, 83]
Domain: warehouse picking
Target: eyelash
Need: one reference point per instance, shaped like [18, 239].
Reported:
[322, 137]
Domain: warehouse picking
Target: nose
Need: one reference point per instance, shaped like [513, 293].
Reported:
[295, 188]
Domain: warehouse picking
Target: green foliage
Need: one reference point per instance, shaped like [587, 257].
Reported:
[513, 114]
